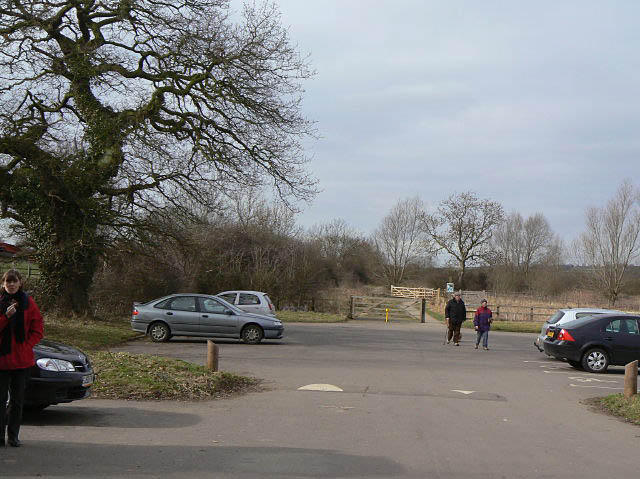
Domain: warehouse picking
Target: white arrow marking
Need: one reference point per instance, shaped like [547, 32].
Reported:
[320, 387]
[463, 392]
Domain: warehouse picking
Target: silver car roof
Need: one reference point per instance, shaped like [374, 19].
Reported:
[590, 310]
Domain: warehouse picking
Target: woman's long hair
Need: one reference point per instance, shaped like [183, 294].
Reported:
[12, 274]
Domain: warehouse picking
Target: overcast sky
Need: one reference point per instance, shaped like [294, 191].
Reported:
[530, 103]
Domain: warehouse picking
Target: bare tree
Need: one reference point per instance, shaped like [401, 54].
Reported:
[399, 238]
[519, 244]
[462, 227]
[111, 108]
[611, 241]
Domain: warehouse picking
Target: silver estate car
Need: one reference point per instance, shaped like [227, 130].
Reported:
[250, 301]
[564, 316]
[189, 314]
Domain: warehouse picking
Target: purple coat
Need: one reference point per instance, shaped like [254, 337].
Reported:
[482, 319]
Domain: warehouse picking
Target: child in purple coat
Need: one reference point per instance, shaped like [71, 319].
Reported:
[482, 322]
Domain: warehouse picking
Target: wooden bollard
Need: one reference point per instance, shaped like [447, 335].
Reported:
[631, 379]
[212, 355]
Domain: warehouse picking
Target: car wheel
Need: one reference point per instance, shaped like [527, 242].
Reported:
[159, 332]
[575, 364]
[595, 360]
[252, 334]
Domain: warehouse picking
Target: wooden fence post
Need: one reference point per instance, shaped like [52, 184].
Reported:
[352, 308]
[631, 379]
[212, 355]
[423, 311]
[531, 314]
[498, 312]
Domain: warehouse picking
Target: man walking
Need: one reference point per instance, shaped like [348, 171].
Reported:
[455, 313]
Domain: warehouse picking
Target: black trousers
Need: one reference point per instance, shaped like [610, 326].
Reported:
[12, 382]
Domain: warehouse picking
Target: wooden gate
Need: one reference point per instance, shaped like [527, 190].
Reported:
[371, 307]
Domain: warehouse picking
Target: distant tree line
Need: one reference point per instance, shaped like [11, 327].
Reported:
[248, 242]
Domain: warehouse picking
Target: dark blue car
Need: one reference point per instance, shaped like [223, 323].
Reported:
[597, 342]
[61, 374]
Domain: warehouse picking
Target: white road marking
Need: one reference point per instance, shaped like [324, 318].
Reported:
[463, 392]
[542, 362]
[597, 387]
[584, 379]
[320, 387]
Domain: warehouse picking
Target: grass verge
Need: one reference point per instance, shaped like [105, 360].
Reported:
[140, 376]
[618, 405]
[86, 333]
[309, 317]
[128, 376]
[512, 326]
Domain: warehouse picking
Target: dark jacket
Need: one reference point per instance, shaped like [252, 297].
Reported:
[482, 319]
[456, 311]
[21, 355]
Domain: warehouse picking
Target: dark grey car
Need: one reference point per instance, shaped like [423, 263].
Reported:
[189, 314]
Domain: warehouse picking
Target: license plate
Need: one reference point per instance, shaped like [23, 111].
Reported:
[87, 380]
[549, 334]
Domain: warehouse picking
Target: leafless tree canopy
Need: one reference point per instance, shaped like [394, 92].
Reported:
[519, 245]
[159, 95]
[611, 240]
[399, 238]
[462, 227]
[523, 243]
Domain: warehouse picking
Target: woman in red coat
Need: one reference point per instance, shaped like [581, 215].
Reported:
[21, 328]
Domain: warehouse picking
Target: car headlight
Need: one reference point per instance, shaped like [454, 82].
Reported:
[51, 364]
[277, 323]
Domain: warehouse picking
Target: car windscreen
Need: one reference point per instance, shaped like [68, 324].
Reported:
[230, 306]
[557, 316]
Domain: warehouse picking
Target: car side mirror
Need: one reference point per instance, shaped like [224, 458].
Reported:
[228, 312]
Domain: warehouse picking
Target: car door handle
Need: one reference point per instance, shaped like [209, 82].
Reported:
[169, 314]
[205, 315]
[609, 338]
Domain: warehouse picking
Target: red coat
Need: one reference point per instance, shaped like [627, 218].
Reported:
[21, 355]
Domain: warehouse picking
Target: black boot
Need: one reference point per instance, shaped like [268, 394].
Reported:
[14, 442]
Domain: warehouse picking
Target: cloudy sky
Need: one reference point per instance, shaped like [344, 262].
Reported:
[531, 103]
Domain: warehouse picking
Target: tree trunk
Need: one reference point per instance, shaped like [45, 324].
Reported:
[67, 251]
[463, 268]
[66, 276]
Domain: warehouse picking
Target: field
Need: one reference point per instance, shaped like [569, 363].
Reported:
[26, 268]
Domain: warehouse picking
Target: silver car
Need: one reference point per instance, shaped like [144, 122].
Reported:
[189, 314]
[564, 316]
[250, 301]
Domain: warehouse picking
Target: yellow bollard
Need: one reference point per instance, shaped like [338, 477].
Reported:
[386, 318]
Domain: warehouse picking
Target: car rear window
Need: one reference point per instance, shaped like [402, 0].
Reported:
[584, 315]
[557, 316]
[229, 297]
[246, 299]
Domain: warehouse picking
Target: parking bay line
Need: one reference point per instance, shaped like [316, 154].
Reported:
[587, 379]
[597, 387]
[582, 378]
